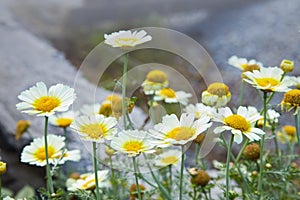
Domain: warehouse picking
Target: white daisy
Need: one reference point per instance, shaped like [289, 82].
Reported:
[200, 110]
[155, 80]
[217, 95]
[295, 81]
[87, 182]
[69, 155]
[243, 64]
[170, 96]
[127, 38]
[95, 128]
[273, 116]
[37, 100]
[239, 124]
[90, 109]
[133, 142]
[34, 153]
[268, 79]
[64, 119]
[169, 157]
[179, 132]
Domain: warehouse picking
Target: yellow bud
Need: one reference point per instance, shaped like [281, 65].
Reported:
[109, 151]
[21, 128]
[2, 168]
[287, 65]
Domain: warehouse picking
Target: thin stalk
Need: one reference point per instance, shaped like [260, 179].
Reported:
[242, 88]
[96, 170]
[227, 167]
[297, 128]
[292, 148]
[197, 154]
[136, 178]
[0, 187]
[203, 190]
[195, 193]
[241, 151]
[49, 177]
[130, 124]
[181, 173]
[124, 79]
[262, 141]
[112, 176]
[170, 179]
[275, 141]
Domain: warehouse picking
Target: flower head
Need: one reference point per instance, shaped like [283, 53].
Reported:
[155, 80]
[21, 128]
[200, 110]
[95, 128]
[170, 96]
[169, 157]
[179, 132]
[2, 168]
[287, 65]
[243, 64]
[217, 95]
[295, 81]
[133, 142]
[199, 177]
[239, 124]
[63, 120]
[127, 38]
[291, 100]
[112, 106]
[287, 134]
[268, 79]
[39, 101]
[87, 181]
[252, 151]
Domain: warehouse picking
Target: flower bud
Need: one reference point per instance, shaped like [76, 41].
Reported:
[199, 177]
[287, 65]
[252, 151]
[2, 168]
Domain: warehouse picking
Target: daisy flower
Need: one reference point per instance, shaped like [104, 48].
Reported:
[133, 142]
[170, 96]
[34, 153]
[179, 132]
[243, 64]
[200, 109]
[69, 155]
[39, 101]
[287, 134]
[169, 157]
[291, 100]
[127, 38]
[239, 124]
[90, 109]
[295, 81]
[217, 95]
[155, 80]
[95, 128]
[87, 181]
[64, 119]
[273, 116]
[268, 79]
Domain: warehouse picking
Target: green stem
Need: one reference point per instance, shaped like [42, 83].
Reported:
[170, 179]
[197, 154]
[124, 79]
[96, 170]
[0, 187]
[130, 124]
[203, 190]
[49, 177]
[181, 173]
[136, 178]
[241, 151]
[275, 141]
[195, 193]
[297, 128]
[113, 181]
[227, 166]
[292, 148]
[262, 141]
[242, 88]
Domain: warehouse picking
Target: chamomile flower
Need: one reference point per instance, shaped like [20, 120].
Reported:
[273, 116]
[133, 142]
[295, 81]
[39, 101]
[127, 38]
[170, 96]
[291, 100]
[87, 181]
[239, 124]
[287, 134]
[200, 109]
[34, 153]
[69, 155]
[179, 132]
[217, 95]
[169, 157]
[267, 79]
[243, 64]
[95, 128]
[64, 119]
[155, 80]
[90, 109]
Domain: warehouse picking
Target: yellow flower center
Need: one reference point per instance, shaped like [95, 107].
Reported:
[219, 89]
[106, 109]
[290, 130]
[64, 122]
[237, 122]
[126, 41]
[46, 103]
[113, 97]
[292, 97]
[168, 92]
[181, 133]
[157, 76]
[133, 146]
[264, 82]
[169, 160]
[40, 153]
[94, 131]
[90, 184]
